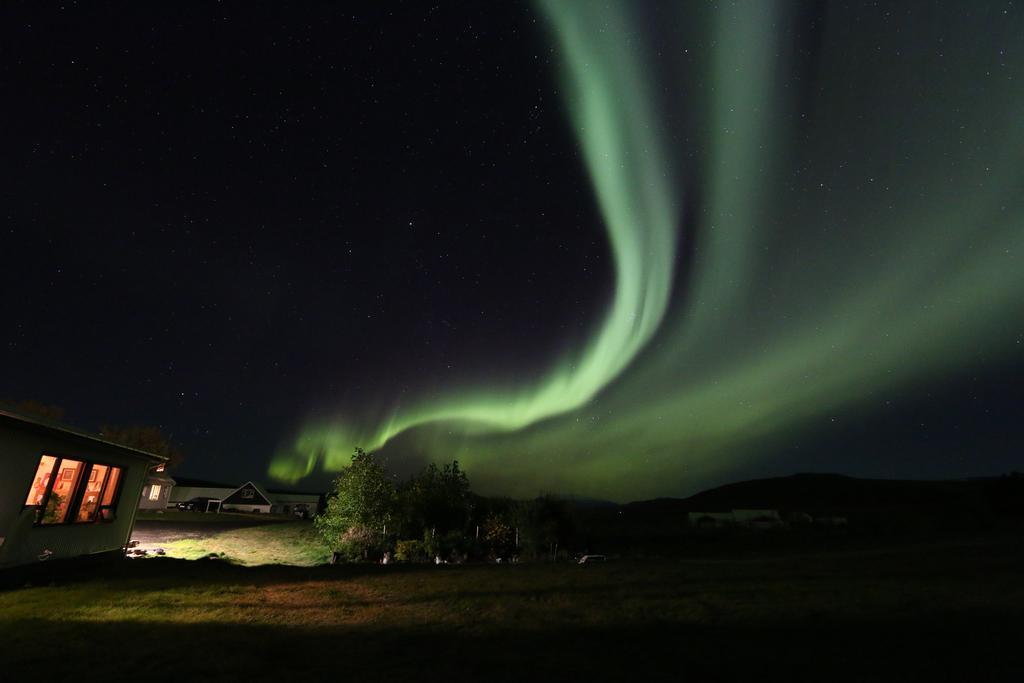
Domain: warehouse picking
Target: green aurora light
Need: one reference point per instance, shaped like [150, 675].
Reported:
[849, 242]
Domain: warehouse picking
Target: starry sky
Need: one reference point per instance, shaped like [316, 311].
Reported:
[617, 249]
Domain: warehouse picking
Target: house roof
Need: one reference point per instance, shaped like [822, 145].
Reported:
[52, 429]
[232, 500]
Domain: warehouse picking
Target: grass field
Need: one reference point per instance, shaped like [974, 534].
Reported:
[943, 611]
[213, 518]
[291, 543]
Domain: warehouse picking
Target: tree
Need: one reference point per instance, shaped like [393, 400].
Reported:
[436, 501]
[37, 409]
[361, 503]
[144, 438]
[499, 535]
[545, 525]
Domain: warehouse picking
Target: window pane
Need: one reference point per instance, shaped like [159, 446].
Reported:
[115, 480]
[68, 473]
[154, 492]
[110, 494]
[38, 488]
[91, 497]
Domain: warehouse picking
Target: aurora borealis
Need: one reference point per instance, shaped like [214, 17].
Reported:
[849, 208]
[632, 184]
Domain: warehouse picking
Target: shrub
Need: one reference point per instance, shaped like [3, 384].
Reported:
[410, 551]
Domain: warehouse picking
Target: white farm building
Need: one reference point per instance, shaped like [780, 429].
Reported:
[249, 497]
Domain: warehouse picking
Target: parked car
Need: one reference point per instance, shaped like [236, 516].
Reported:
[199, 504]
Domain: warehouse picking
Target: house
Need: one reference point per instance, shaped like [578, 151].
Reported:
[295, 502]
[64, 493]
[758, 518]
[710, 520]
[207, 495]
[750, 518]
[156, 493]
[248, 498]
[252, 497]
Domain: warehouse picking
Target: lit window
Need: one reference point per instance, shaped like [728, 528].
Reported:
[108, 502]
[37, 492]
[61, 482]
[154, 492]
[91, 498]
[64, 486]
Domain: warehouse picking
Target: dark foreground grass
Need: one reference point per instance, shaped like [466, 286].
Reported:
[928, 613]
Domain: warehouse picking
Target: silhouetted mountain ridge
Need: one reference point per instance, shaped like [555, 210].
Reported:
[837, 493]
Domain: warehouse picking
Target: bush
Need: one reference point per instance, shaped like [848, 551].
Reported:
[357, 544]
[410, 551]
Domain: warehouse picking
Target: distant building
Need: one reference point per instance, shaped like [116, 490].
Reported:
[249, 497]
[156, 493]
[295, 502]
[64, 493]
[758, 518]
[798, 518]
[749, 518]
[711, 520]
[206, 495]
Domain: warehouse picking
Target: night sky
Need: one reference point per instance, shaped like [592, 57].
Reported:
[621, 250]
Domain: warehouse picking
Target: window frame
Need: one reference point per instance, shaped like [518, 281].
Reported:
[78, 493]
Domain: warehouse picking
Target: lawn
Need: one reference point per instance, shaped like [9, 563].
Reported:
[943, 611]
[291, 543]
[213, 518]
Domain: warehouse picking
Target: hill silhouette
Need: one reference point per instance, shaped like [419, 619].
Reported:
[868, 507]
[837, 493]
